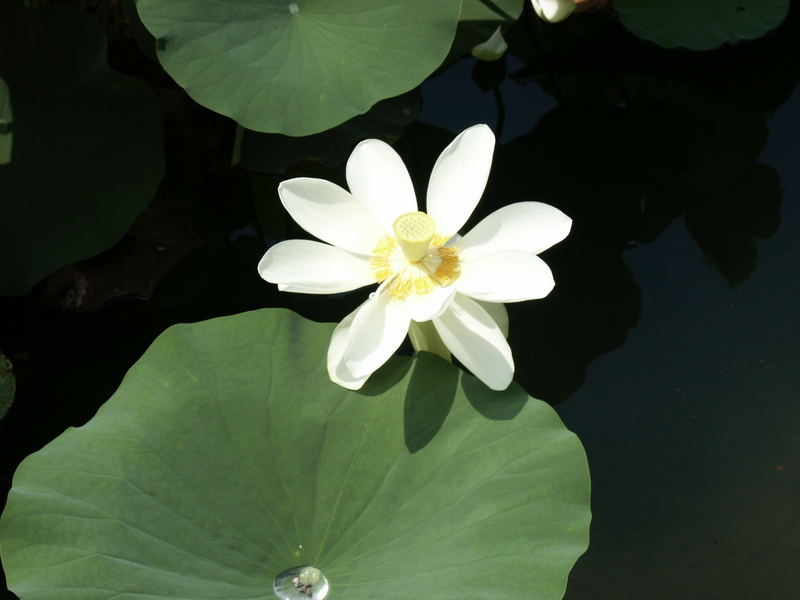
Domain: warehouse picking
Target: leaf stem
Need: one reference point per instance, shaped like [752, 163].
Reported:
[496, 9]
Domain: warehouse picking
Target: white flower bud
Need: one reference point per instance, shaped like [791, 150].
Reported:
[491, 49]
[553, 11]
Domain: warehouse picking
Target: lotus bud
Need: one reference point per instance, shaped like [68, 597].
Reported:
[491, 49]
[553, 11]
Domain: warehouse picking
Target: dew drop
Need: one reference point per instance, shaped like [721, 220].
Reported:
[293, 9]
[301, 583]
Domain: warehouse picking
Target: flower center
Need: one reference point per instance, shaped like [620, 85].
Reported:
[415, 261]
[414, 232]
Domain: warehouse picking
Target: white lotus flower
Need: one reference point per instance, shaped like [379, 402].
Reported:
[430, 279]
[553, 11]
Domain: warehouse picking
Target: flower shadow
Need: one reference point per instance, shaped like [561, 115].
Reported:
[388, 376]
[496, 406]
[429, 398]
[433, 384]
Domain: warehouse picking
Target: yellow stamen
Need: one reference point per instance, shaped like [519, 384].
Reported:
[449, 269]
[414, 232]
[440, 267]
[381, 262]
[439, 240]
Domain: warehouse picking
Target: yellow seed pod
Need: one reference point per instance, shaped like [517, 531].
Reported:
[414, 232]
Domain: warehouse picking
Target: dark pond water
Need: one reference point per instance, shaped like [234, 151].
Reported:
[670, 344]
[692, 427]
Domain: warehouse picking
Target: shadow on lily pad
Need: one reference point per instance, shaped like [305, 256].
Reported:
[429, 398]
[496, 406]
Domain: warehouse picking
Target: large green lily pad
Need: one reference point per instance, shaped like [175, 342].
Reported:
[299, 67]
[87, 151]
[700, 24]
[227, 456]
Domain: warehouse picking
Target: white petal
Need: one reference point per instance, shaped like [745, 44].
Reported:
[553, 11]
[336, 369]
[379, 180]
[423, 307]
[331, 214]
[459, 177]
[499, 313]
[475, 339]
[508, 276]
[378, 328]
[526, 226]
[311, 267]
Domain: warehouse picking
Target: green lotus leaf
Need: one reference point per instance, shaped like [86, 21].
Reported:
[227, 456]
[299, 67]
[700, 25]
[8, 385]
[87, 152]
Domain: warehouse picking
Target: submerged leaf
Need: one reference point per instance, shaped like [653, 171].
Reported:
[6, 124]
[87, 155]
[274, 153]
[8, 385]
[227, 457]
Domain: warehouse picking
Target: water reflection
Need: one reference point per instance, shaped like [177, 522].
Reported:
[624, 174]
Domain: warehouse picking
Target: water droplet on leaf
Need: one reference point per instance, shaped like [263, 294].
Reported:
[301, 583]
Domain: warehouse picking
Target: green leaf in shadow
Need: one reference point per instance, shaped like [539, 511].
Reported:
[87, 155]
[700, 25]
